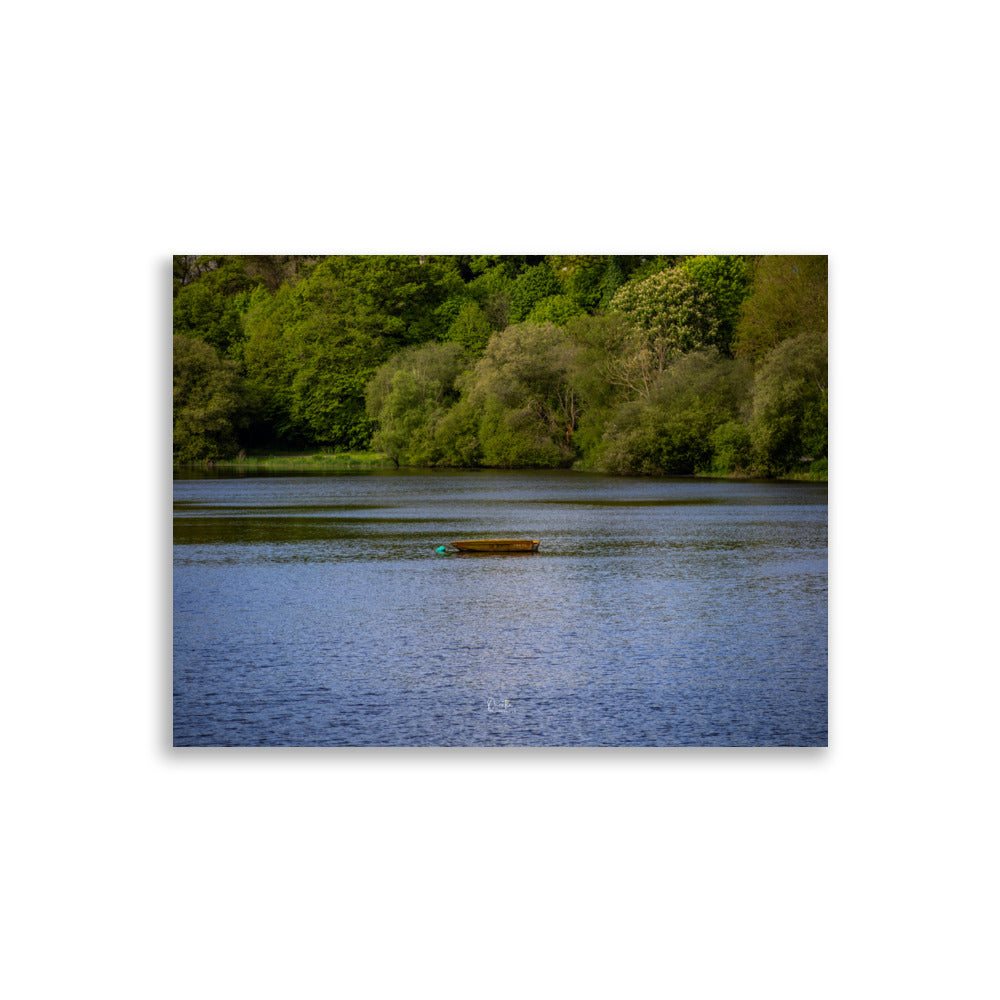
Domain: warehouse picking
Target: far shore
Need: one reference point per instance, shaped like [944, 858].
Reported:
[319, 461]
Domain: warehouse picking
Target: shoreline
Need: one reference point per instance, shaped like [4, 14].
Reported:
[362, 461]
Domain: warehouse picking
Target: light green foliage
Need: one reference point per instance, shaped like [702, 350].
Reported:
[732, 452]
[407, 399]
[555, 309]
[210, 402]
[312, 349]
[314, 346]
[789, 422]
[532, 285]
[456, 436]
[788, 297]
[670, 431]
[597, 339]
[670, 315]
[470, 327]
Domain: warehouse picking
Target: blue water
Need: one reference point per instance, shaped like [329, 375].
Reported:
[314, 611]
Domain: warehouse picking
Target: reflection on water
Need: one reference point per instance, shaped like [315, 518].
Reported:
[314, 611]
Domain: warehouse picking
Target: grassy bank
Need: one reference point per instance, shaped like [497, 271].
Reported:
[320, 461]
[315, 461]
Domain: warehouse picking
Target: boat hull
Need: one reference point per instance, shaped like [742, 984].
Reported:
[497, 545]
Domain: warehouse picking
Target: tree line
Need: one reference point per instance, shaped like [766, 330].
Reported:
[656, 364]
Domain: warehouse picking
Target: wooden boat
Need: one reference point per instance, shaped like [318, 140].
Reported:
[497, 545]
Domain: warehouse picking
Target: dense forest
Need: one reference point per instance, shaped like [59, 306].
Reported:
[653, 365]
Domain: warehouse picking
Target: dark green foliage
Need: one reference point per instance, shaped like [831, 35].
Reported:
[211, 403]
[789, 296]
[670, 431]
[216, 319]
[725, 280]
[789, 422]
[211, 294]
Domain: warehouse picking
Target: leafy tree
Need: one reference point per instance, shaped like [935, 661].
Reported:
[531, 286]
[314, 345]
[217, 319]
[402, 292]
[789, 421]
[732, 449]
[597, 339]
[582, 277]
[408, 397]
[726, 280]
[210, 296]
[523, 387]
[670, 315]
[211, 403]
[470, 327]
[671, 430]
[456, 435]
[788, 297]
[492, 290]
[555, 309]
[312, 349]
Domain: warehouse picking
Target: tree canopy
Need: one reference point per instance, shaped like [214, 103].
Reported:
[656, 364]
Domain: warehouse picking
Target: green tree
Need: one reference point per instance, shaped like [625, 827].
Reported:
[726, 280]
[732, 449]
[470, 327]
[598, 340]
[789, 421]
[671, 431]
[211, 294]
[670, 315]
[407, 399]
[582, 277]
[211, 403]
[555, 309]
[311, 349]
[788, 297]
[523, 388]
[403, 292]
[531, 286]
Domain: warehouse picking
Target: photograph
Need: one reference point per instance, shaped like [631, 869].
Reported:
[553, 500]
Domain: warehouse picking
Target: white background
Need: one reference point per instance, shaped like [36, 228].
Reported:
[864, 131]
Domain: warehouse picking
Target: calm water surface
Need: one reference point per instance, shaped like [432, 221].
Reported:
[314, 611]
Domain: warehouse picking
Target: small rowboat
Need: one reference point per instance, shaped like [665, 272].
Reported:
[497, 545]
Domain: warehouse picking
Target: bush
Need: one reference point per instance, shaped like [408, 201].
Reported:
[731, 449]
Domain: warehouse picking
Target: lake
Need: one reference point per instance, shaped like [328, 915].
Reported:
[313, 611]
